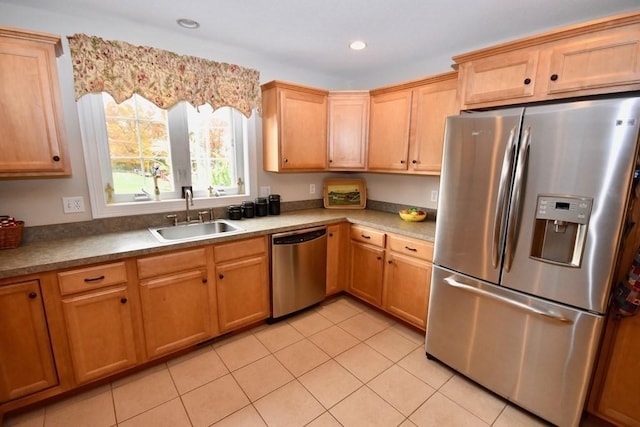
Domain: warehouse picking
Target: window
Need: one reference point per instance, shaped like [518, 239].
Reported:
[144, 155]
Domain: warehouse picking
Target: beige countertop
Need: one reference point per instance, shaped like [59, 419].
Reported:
[39, 257]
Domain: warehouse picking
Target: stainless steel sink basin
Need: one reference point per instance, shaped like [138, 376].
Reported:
[196, 231]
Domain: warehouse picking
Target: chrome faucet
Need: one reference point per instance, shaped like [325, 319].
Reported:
[188, 197]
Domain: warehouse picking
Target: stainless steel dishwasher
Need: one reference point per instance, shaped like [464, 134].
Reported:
[298, 269]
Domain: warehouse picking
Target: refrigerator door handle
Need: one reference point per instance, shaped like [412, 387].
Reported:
[537, 311]
[501, 201]
[516, 198]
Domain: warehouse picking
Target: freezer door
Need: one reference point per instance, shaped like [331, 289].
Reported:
[580, 150]
[536, 354]
[474, 189]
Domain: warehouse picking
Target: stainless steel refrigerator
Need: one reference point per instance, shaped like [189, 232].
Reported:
[530, 217]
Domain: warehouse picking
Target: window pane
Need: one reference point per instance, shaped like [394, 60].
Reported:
[211, 143]
[139, 146]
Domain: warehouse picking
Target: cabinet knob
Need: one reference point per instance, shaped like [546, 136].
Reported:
[123, 300]
[402, 162]
[56, 158]
[527, 81]
[204, 280]
[285, 160]
[389, 262]
[554, 77]
[414, 161]
[330, 161]
[330, 234]
[379, 258]
[32, 295]
[220, 276]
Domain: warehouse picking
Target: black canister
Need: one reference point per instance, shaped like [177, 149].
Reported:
[234, 211]
[274, 204]
[261, 206]
[248, 210]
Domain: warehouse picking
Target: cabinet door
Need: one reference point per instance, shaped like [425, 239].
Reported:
[367, 266]
[618, 400]
[348, 127]
[175, 311]
[389, 131]
[100, 331]
[32, 139]
[303, 130]
[505, 76]
[243, 292]
[433, 104]
[26, 361]
[597, 62]
[406, 288]
[336, 257]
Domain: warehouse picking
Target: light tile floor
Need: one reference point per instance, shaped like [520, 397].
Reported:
[338, 364]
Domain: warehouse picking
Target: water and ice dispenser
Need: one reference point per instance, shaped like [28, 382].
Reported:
[560, 229]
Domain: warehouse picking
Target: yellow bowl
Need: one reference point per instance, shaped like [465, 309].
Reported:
[410, 217]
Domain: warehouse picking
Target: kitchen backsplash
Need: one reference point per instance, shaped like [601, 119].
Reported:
[136, 222]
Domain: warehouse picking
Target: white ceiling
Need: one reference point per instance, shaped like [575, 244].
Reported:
[315, 34]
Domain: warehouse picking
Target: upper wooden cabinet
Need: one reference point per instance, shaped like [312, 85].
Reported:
[348, 127]
[32, 135]
[294, 128]
[597, 57]
[406, 127]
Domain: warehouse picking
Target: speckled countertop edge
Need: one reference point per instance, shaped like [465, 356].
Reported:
[39, 257]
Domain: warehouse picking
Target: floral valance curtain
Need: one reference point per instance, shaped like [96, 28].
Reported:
[162, 77]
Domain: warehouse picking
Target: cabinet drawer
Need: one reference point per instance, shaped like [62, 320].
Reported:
[412, 247]
[367, 235]
[171, 263]
[240, 249]
[86, 279]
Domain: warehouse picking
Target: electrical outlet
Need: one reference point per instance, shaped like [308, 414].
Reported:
[73, 204]
[312, 189]
[265, 191]
[434, 195]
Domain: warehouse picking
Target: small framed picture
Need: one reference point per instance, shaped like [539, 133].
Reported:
[345, 193]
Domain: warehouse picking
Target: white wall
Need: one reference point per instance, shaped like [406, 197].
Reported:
[39, 201]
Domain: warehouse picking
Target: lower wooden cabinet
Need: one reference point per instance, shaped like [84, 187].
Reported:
[98, 320]
[100, 332]
[25, 350]
[366, 254]
[337, 249]
[391, 272]
[176, 306]
[407, 279]
[242, 283]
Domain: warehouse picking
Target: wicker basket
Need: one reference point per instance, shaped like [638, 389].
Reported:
[10, 237]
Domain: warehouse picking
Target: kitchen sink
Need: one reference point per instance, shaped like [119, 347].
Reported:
[196, 231]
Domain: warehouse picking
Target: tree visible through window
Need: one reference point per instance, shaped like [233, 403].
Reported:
[139, 146]
[149, 146]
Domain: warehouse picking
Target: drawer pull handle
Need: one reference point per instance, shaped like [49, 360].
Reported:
[123, 300]
[364, 236]
[93, 279]
[32, 295]
[411, 249]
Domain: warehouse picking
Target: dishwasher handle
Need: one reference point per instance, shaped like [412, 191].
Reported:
[299, 236]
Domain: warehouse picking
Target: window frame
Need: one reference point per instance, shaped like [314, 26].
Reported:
[95, 147]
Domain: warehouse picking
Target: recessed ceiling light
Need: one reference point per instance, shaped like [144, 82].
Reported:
[357, 45]
[188, 23]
